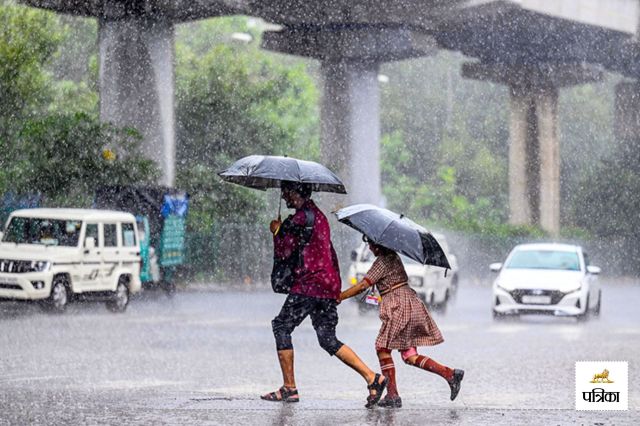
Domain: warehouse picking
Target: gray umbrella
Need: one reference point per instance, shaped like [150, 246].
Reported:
[394, 231]
[268, 171]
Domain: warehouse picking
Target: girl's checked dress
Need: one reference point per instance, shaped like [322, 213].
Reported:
[406, 323]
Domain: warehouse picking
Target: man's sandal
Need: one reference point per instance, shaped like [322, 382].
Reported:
[379, 388]
[282, 395]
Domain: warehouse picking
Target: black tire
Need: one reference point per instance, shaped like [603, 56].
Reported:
[442, 306]
[454, 286]
[59, 295]
[585, 315]
[169, 288]
[120, 297]
[596, 310]
[363, 308]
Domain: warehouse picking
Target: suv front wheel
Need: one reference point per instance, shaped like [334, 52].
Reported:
[120, 297]
[59, 296]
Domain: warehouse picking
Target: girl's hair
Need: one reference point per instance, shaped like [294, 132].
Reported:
[382, 249]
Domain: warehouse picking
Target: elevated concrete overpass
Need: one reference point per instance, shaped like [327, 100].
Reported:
[534, 46]
[537, 47]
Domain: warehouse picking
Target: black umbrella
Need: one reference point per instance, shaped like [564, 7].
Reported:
[394, 231]
[268, 171]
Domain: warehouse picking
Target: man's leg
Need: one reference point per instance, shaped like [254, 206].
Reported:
[285, 357]
[350, 358]
[325, 319]
[294, 310]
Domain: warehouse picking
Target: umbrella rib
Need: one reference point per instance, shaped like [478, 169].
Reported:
[385, 229]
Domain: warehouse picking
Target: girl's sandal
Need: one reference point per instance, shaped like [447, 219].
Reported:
[282, 395]
[378, 387]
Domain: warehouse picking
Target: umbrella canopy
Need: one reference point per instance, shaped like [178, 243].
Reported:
[395, 232]
[268, 171]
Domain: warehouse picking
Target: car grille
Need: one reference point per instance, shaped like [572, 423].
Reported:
[556, 295]
[15, 266]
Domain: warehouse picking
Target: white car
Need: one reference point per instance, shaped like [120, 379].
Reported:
[430, 283]
[55, 255]
[552, 279]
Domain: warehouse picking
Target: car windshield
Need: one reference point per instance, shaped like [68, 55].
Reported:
[544, 259]
[50, 232]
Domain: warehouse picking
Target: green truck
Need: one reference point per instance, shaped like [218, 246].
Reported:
[160, 214]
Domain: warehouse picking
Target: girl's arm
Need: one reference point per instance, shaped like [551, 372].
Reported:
[356, 289]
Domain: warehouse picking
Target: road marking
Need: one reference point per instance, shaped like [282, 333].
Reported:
[28, 379]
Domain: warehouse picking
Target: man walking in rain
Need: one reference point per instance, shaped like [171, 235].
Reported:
[315, 293]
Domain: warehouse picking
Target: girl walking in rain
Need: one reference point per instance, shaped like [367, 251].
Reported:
[406, 323]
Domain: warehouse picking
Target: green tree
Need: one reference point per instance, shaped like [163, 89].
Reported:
[235, 100]
[28, 38]
[66, 157]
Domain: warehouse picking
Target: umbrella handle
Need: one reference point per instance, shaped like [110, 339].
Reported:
[279, 206]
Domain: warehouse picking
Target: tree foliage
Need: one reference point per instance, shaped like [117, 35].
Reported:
[66, 157]
[50, 137]
[235, 100]
[28, 38]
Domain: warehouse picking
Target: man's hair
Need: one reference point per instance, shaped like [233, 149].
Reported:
[303, 189]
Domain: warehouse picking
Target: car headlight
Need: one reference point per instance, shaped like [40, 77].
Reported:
[416, 281]
[575, 287]
[40, 265]
[500, 286]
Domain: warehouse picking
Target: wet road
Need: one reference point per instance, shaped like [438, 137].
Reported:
[203, 357]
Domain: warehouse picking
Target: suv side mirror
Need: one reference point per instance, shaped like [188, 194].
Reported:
[354, 255]
[89, 243]
[495, 267]
[595, 270]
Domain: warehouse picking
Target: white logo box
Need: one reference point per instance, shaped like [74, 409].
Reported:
[602, 395]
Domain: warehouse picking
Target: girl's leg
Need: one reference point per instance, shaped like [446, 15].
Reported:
[388, 370]
[412, 357]
[453, 377]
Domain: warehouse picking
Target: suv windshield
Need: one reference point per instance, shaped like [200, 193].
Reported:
[50, 232]
[544, 259]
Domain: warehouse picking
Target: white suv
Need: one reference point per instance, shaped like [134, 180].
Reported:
[430, 283]
[55, 255]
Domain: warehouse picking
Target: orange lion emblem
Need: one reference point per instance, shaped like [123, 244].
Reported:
[602, 377]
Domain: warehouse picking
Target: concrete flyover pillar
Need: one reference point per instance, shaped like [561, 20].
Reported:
[350, 55]
[534, 161]
[350, 127]
[137, 83]
[627, 112]
[534, 142]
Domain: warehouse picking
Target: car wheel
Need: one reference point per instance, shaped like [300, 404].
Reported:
[169, 288]
[585, 315]
[442, 306]
[454, 285]
[59, 296]
[596, 310]
[497, 316]
[120, 297]
[363, 308]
